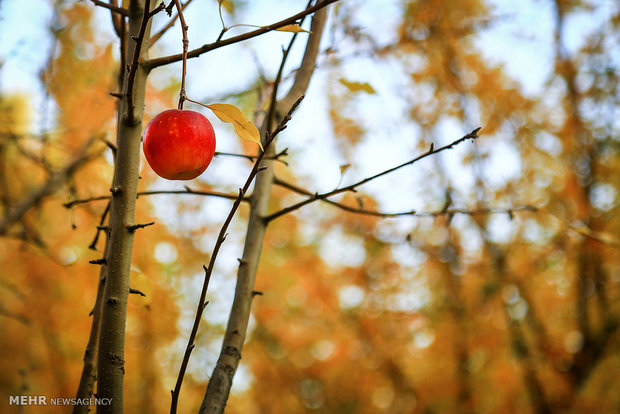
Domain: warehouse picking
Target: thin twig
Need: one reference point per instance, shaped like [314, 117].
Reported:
[184, 27]
[153, 63]
[269, 138]
[91, 353]
[472, 135]
[275, 157]
[224, 28]
[159, 34]
[276, 83]
[100, 227]
[218, 389]
[56, 180]
[585, 231]
[116, 9]
[155, 192]
[437, 213]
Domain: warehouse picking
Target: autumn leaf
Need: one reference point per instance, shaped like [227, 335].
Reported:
[231, 114]
[293, 28]
[229, 6]
[358, 86]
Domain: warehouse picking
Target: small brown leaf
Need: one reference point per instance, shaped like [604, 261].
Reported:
[231, 114]
[344, 168]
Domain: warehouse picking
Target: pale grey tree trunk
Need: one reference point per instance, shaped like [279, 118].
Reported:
[122, 215]
[219, 386]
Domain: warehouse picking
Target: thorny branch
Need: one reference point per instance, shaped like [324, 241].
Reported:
[219, 241]
[437, 213]
[472, 135]
[218, 389]
[153, 63]
[100, 227]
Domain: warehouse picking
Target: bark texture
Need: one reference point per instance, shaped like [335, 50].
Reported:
[122, 214]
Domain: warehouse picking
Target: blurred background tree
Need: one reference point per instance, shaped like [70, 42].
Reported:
[499, 295]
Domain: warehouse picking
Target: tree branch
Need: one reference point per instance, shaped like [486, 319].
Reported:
[155, 192]
[110, 360]
[52, 184]
[220, 383]
[153, 63]
[167, 27]
[209, 269]
[89, 369]
[115, 9]
[117, 20]
[139, 39]
[472, 135]
[437, 213]
[276, 157]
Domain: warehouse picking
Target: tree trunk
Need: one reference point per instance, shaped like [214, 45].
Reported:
[122, 214]
[219, 386]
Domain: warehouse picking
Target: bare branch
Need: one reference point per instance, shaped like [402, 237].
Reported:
[437, 213]
[16, 316]
[159, 34]
[587, 232]
[155, 192]
[52, 184]
[472, 135]
[153, 63]
[220, 383]
[89, 369]
[115, 9]
[100, 227]
[275, 157]
[209, 269]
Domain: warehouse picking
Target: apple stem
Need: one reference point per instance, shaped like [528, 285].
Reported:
[182, 98]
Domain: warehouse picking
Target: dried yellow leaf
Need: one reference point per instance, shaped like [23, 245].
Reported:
[293, 28]
[229, 6]
[358, 86]
[233, 115]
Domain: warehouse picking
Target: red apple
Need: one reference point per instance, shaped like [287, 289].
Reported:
[179, 145]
